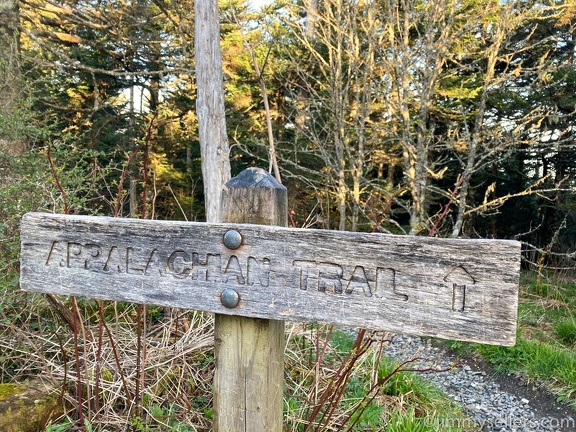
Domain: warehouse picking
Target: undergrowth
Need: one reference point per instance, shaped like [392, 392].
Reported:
[106, 375]
[335, 381]
[348, 385]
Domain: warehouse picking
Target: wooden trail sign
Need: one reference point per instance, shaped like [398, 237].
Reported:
[254, 276]
[448, 288]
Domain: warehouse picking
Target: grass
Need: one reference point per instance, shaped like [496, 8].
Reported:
[565, 331]
[546, 340]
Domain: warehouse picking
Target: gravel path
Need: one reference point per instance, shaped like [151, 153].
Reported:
[496, 403]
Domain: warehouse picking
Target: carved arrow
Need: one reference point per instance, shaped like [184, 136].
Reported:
[460, 279]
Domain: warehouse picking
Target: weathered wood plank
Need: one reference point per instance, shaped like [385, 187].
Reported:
[448, 288]
[248, 383]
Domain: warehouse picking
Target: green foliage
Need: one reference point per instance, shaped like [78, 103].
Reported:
[566, 331]
[23, 177]
[341, 341]
[161, 420]
[407, 422]
[119, 79]
[59, 427]
[402, 421]
[23, 184]
[73, 169]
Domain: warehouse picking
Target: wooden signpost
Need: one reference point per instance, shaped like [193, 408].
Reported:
[447, 288]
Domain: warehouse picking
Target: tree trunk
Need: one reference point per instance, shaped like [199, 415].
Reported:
[9, 64]
[9, 50]
[214, 147]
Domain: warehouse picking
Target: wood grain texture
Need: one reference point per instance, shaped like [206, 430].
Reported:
[210, 109]
[249, 378]
[449, 288]
[249, 352]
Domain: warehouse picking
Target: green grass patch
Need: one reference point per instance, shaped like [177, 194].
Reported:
[536, 360]
[426, 408]
[566, 331]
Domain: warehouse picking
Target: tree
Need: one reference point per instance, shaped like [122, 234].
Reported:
[9, 68]
[548, 153]
[408, 87]
[210, 106]
[390, 115]
[330, 97]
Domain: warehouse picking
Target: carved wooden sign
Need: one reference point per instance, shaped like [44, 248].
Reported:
[448, 288]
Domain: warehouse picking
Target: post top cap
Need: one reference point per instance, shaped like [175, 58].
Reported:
[254, 178]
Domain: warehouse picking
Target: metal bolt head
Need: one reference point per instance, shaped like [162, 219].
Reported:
[230, 298]
[232, 239]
